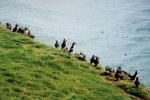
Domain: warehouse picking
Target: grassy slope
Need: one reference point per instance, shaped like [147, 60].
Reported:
[31, 70]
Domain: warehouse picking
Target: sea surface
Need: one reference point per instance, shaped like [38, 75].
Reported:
[118, 31]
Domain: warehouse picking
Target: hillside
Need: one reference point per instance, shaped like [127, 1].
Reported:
[30, 70]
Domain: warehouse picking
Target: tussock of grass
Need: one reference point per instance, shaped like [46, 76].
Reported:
[141, 92]
[31, 70]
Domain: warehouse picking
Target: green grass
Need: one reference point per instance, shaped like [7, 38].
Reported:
[30, 70]
[141, 92]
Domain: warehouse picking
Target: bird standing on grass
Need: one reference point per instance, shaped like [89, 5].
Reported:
[92, 59]
[15, 28]
[26, 31]
[8, 25]
[63, 45]
[72, 47]
[137, 82]
[134, 76]
[57, 44]
[117, 74]
[96, 62]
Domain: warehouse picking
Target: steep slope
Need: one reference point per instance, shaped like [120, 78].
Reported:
[31, 70]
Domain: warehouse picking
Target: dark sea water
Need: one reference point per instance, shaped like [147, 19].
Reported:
[125, 25]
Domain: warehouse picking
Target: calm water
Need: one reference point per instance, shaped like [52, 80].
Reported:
[125, 23]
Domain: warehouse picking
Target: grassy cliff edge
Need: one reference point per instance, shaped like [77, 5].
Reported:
[32, 70]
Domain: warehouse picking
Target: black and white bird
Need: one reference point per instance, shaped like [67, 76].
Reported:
[26, 31]
[137, 82]
[71, 51]
[117, 74]
[8, 25]
[63, 45]
[92, 59]
[82, 56]
[96, 62]
[72, 48]
[15, 28]
[133, 77]
[73, 44]
[20, 30]
[57, 44]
